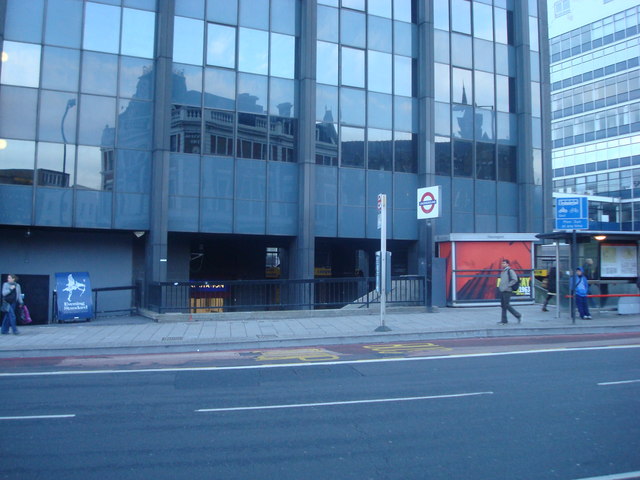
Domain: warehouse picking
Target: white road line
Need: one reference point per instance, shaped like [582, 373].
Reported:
[616, 476]
[351, 402]
[37, 417]
[618, 383]
[297, 365]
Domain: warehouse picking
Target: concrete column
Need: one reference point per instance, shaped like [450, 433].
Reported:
[426, 146]
[303, 246]
[523, 96]
[156, 246]
[545, 92]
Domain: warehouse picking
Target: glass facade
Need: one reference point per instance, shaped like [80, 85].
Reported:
[595, 110]
[366, 113]
[76, 105]
[475, 90]
[275, 117]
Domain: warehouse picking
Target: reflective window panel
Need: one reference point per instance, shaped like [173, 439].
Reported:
[187, 85]
[379, 34]
[253, 51]
[381, 8]
[55, 165]
[95, 168]
[327, 63]
[252, 93]
[405, 148]
[254, 14]
[441, 14]
[379, 149]
[462, 158]
[58, 114]
[443, 156]
[463, 122]
[461, 16]
[482, 21]
[402, 75]
[327, 24]
[252, 136]
[18, 106]
[402, 10]
[20, 64]
[223, 12]
[462, 86]
[188, 43]
[284, 15]
[17, 162]
[380, 69]
[405, 114]
[99, 73]
[283, 55]
[24, 20]
[136, 78]
[326, 103]
[97, 120]
[60, 68]
[138, 33]
[186, 126]
[353, 28]
[221, 45]
[63, 24]
[282, 138]
[282, 97]
[461, 50]
[101, 28]
[352, 147]
[352, 106]
[507, 162]
[218, 132]
[379, 110]
[352, 67]
[326, 144]
[135, 124]
[220, 88]
[485, 161]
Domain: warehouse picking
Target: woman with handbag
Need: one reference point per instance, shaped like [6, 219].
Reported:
[11, 296]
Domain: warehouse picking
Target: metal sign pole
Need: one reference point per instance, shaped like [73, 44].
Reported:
[382, 209]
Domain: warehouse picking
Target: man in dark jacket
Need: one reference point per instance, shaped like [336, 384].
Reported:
[507, 278]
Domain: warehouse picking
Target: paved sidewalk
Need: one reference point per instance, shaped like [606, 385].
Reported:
[118, 334]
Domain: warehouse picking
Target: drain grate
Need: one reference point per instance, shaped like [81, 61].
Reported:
[171, 339]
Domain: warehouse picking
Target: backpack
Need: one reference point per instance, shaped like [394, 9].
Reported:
[516, 286]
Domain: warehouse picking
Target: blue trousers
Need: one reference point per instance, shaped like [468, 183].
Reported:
[10, 319]
[583, 306]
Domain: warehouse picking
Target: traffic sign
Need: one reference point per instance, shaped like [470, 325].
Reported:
[429, 202]
[572, 213]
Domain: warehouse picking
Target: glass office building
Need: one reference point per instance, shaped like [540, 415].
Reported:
[169, 140]
[595, 107]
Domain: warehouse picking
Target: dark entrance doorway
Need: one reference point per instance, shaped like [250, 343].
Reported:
[36, 295]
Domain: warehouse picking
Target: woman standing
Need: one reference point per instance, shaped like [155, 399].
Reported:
[11, 296]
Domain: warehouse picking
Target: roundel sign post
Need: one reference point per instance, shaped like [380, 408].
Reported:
[429, 202]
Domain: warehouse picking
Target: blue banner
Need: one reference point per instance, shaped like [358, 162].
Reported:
[74, 296]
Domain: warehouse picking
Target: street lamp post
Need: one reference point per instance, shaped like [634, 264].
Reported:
[70, 104]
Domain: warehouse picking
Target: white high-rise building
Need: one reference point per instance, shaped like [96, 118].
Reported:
[595, 107]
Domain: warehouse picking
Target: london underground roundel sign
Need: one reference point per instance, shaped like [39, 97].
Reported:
[429, 202]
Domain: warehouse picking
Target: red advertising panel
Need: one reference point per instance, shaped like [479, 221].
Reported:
[477, 267]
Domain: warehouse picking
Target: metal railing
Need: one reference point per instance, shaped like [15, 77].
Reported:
[260, 295]
[125, 303]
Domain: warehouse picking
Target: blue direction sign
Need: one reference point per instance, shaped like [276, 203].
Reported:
[572, 213]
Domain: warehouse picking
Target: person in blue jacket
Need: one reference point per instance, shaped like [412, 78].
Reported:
[579, 286]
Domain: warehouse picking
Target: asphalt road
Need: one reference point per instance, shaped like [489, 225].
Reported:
[554, 415]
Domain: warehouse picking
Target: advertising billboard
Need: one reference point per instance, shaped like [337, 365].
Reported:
[473, 268]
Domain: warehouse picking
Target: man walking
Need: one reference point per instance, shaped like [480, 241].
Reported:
[507, 278]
